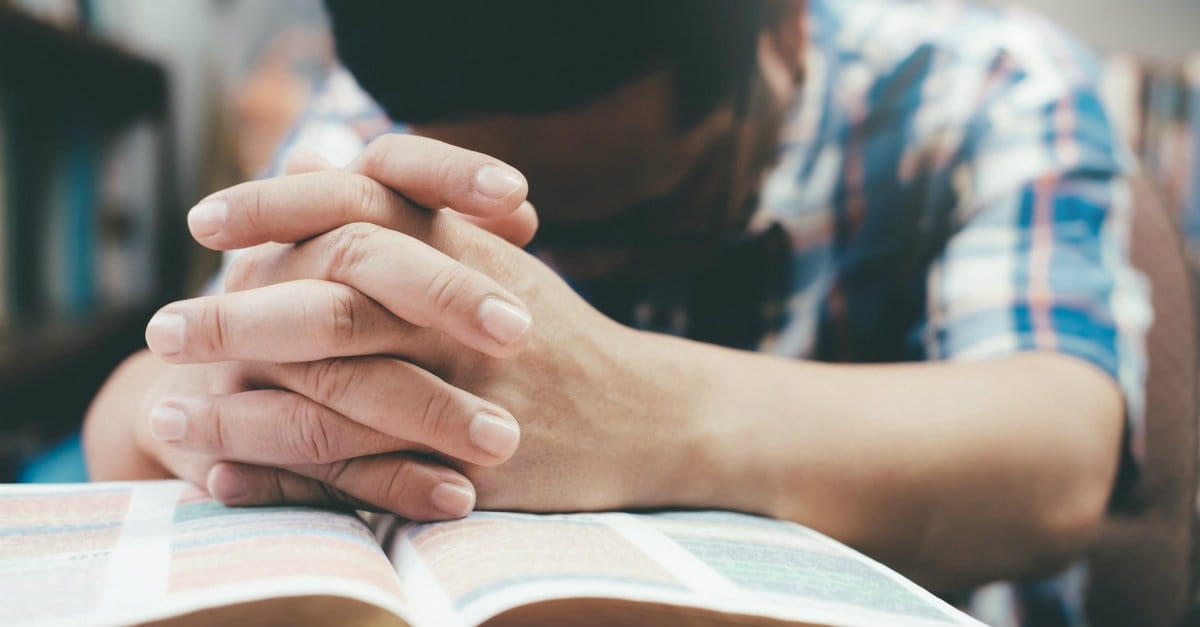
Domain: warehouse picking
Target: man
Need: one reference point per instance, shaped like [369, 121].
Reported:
[906, 224]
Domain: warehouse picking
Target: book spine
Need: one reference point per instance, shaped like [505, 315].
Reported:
[68, 231]
[81, 220]
[53, 245]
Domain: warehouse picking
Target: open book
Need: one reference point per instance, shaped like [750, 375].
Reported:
[162, 552]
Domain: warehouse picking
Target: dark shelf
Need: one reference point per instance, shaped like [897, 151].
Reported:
[30, 351]
[72, 70]
[59, 89]
[50, 372]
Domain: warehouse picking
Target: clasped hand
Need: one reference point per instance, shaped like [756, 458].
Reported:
[372, 352]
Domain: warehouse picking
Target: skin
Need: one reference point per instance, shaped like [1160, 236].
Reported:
[352, 353]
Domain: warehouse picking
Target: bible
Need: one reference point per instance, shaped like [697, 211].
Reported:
[164, 553]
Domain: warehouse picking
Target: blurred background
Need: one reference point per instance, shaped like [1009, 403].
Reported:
[1165, 30]
[116, 116]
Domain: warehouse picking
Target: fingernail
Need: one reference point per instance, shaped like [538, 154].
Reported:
[167, 423]
[496, 182]
[506, 323]
[453, 500]
[226, 484]
[495, 435]
[164, 333]
[207, 218]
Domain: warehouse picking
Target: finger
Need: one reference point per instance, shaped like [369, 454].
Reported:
[427, 172]
[266, 427]
[401, 400]
[435, 174]
[409, 278]
[318, 199]
[517, 228]
[265, 324]
[239, 484]
[294, 208]
[236, 484]
[412, 488]
[304, 159]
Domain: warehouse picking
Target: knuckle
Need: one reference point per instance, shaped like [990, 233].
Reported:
[445, 169]
[277, 491]
[256, 210]
[449, 286]
[330, 380]
[437, 414]
[213, 331]
[312, 439]
[347, 249]
[365, 198]
[218, 434]
[396, 485]
[338, 324]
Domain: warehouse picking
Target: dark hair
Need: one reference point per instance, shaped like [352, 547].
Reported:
[440, 60]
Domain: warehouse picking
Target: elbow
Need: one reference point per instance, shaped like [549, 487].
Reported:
[1038, 539]
[1075, 478]
[1068, 510]
[1062, 530]
[1045, 521]
[1041, 543]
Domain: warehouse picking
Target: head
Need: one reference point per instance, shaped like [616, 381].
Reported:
[611, 109]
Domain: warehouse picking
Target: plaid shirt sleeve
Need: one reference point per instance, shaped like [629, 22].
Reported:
[1039, 256]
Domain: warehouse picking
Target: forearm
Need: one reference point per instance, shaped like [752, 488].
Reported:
[111, 446]
[953, 473]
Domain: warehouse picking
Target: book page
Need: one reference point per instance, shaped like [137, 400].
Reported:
[500, 568]
[122, 553]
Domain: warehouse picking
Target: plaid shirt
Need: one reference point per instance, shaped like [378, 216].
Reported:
[948, 187]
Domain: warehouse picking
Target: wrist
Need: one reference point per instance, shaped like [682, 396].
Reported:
[723, 449]
[681, 457]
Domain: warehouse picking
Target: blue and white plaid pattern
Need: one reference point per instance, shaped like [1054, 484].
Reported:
[948, 187]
